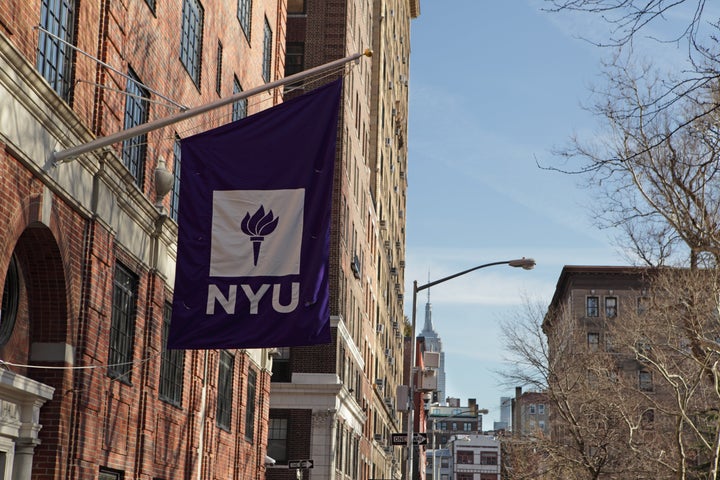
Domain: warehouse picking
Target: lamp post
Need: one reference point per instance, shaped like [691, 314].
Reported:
[524, 263]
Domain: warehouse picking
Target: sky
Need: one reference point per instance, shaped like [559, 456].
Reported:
[495, 87]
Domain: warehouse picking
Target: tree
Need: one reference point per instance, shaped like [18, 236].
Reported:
[644, 402]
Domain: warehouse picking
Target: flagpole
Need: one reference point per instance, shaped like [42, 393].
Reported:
[63, 155]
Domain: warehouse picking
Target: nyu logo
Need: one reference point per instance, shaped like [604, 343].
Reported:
[274, 246]
[248, 242]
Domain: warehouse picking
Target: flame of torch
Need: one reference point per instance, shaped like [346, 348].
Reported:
[257, 227]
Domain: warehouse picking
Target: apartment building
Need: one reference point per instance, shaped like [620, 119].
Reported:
[532, 415]
[620, 339]
[337, 404]
[475, 457]
[88, 244]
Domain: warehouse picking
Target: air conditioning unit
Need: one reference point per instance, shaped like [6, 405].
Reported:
[431, 359]
[388, 352]
[393, 271]
[355, 266]
[388, 141]
[383, 224]
[402, 174]
[402, 263]
[380, 382]
[390, 85]
[380, 327]
[389, 402]
[395, 322]
[378, 437]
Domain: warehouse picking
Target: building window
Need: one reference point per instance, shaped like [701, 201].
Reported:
[467, 427]
[645, 381]
[267, 51]
[281, 366]
[122, 324]
[647, 420]
[136, 113]
[464, 476]
[218, 68]
[294, 58]
[464, 456]
[10, 301]
[226, 367]
[277, 440]
[541, 409]
[55, 55]
[593, 340]
[610, 343]
[592, 306]
[175, 193]
[250, 407]
[110, 474]
[488, 458]
[611, 307]
[244, 14]
[191, 38]
[642, 303]
[296, 7]
[531, 409]
[171, 365]
[239, 107]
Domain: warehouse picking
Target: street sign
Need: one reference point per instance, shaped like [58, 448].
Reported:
[300, 464]
[401, 438]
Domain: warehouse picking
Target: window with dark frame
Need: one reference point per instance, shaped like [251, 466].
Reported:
[277, 440]
[10, 301]
[294, 58]
[593, 341]
[175, 193]
[592, 306]
[464, 457]
[55, 55]
[267, 51]
[122, 323]
[281, 366]
[218, 68]
[244, 14]
[296, 7]
[110, 474]
[647, 419]
[226, 367]
[239, 107]
[191, 38]
[250, 406]
[172, 365]
[645, 381]
[488, 458]
[611, 307]
[137, 108]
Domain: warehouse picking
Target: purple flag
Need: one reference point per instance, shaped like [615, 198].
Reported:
[254, 229]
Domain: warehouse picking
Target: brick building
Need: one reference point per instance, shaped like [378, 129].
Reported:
[337, 404]
[87, 246]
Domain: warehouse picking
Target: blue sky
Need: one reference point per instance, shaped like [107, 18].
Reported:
[495, 86]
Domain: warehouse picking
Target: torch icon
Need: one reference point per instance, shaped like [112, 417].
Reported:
[257, 227]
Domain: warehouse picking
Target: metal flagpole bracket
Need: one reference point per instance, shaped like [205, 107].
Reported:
[61, 156]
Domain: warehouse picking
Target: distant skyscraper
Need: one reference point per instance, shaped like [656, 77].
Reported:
[505, 422]
[433, 343]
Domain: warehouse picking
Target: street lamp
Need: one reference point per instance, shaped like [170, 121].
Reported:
[524, 263]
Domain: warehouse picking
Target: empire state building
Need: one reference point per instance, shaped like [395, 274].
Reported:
[433, 343]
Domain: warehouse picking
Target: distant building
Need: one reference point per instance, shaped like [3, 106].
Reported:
[505, 422]
[533, 414]
[475, 457]
[433, 343]
[445, 422]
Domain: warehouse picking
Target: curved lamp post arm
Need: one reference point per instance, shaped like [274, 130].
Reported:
[524, 263]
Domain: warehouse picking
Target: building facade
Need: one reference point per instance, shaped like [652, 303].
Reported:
[475, 457]
[88, 245]
[337, 404]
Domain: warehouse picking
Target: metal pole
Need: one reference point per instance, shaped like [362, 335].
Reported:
[57, 157]
[411, 387]
[525, 263]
